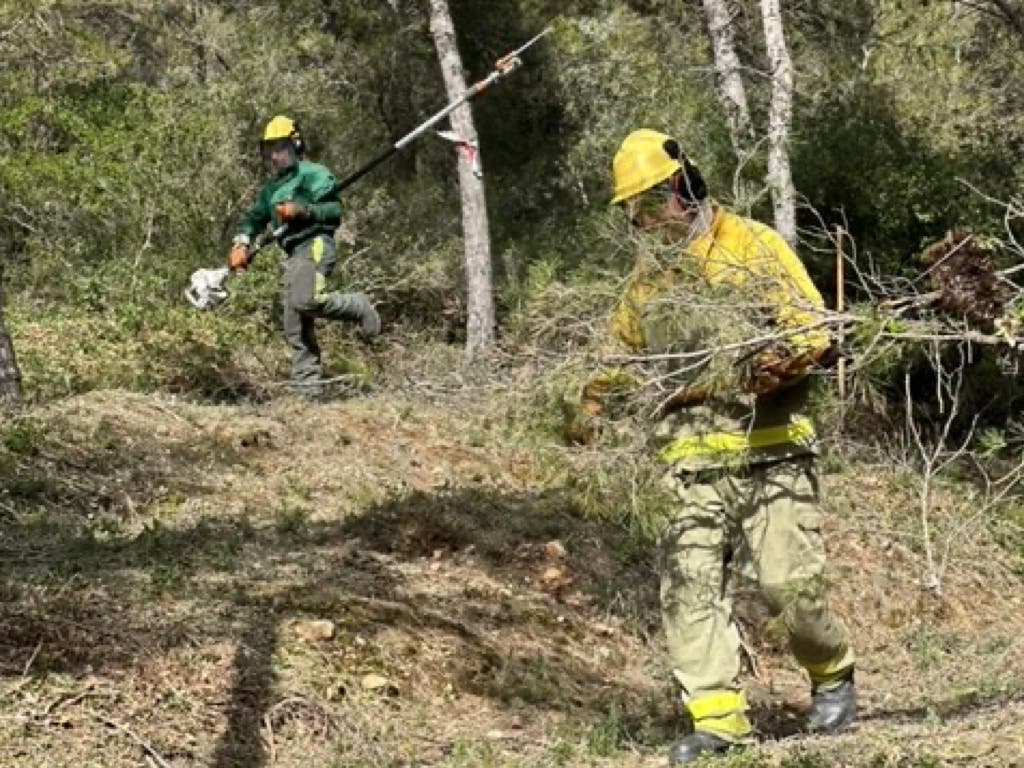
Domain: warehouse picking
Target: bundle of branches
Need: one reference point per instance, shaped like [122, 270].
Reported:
[708, 338]
[725, 338]
[969, 300]
[965, 280]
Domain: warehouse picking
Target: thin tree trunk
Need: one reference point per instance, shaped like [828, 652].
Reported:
[479, 287]
[10, 375]
[731, 91]
[780, 118]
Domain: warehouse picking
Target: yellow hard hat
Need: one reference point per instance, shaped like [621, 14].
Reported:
[280, 127]
[641, 163]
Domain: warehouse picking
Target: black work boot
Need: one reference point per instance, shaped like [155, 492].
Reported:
[699, 743]
[832, 709]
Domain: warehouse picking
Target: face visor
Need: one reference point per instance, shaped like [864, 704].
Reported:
[279, 155]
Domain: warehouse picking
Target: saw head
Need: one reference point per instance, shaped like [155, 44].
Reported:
[207, 288]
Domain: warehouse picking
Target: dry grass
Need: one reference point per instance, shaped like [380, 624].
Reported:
[161, 558]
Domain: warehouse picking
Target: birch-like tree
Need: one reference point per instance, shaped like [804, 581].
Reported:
[731, 91]
[733, 96]
[780, 118]
[475, 228]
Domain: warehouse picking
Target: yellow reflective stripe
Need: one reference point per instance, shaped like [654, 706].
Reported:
[319, 286]
[717, 705]
[731, 727]
[318, 250]
[832, 671]
[800, 430]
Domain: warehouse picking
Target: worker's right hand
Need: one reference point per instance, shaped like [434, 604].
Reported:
[238, 258]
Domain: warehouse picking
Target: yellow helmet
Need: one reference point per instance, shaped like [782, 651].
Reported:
[643, 161]
[281, 145]
[280, 127]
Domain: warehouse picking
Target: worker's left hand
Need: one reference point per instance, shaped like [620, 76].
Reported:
[777, 367]
[291, 210]
[238, 258]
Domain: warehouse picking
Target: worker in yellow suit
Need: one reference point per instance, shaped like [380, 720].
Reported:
[742, 459]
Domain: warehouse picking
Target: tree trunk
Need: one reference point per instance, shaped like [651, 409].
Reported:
[10, 376]
[480, 299]
[731, 91]
[780, 117]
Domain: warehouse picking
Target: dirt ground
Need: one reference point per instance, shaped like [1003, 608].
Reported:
[394, 580]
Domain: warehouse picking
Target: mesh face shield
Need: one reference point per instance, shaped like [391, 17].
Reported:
[279, 155]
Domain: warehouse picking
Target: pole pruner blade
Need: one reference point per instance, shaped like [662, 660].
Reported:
[510, 62]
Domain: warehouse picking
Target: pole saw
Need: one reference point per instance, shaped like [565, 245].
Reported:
[207, 287]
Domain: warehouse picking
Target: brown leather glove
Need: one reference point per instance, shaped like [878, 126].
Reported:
[776, 368]
[291, 210]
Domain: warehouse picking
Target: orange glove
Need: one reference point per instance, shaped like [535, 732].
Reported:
[291, 211]
[238, 259]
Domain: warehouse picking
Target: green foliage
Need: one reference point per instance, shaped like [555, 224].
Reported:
[21, 436]
[172, 348]
[806, 760]
[604, 737]
[126, 160]
[931, 648]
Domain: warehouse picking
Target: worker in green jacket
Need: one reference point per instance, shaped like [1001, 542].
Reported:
[303, 197]
[741, 460]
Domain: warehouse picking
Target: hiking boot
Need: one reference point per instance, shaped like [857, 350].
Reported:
[699, 743]
[832, 709]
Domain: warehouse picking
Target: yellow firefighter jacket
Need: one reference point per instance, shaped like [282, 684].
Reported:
[740, 428]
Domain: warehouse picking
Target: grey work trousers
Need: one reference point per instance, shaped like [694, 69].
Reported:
[304, 296]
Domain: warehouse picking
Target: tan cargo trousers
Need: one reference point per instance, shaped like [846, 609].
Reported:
[767, 520]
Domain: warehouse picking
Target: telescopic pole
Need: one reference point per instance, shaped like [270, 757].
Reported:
[503, 67]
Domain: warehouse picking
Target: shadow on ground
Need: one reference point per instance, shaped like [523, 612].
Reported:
[461, 571]
[81, 598]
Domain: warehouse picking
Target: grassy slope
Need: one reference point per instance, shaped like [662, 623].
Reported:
[162, 560]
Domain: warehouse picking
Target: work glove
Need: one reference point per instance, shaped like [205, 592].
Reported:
[686, 396]
[238, 258]
[291, 210]
[778, 367]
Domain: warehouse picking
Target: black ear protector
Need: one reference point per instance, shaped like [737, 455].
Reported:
[300, 145]
[688, 184]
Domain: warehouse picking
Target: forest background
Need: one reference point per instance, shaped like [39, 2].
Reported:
[129, 138]
[170, 515]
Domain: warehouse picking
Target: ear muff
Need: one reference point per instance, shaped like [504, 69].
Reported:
[688, 183]
[300, 145]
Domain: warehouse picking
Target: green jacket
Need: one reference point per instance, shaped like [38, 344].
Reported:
[309, 183]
